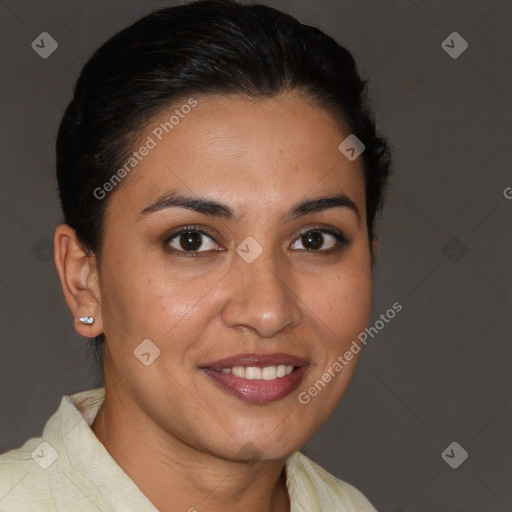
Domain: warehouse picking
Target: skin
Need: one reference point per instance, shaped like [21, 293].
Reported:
[193, 444]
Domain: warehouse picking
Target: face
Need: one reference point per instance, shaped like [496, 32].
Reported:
[252, 272]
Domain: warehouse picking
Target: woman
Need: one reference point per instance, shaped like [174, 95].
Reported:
[220, 174]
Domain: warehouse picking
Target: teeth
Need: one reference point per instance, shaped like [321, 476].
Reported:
[238, 371]
[253, 373]
[258, 373]
[269, 373]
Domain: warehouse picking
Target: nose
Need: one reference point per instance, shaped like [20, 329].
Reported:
[261, 297]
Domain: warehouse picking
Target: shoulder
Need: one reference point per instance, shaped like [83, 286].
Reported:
[310, 483]
[31, 474]
[22, 481]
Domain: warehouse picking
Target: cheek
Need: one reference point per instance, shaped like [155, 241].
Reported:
[342, 303]
[132, 296]
[340, 310]
[168, 306]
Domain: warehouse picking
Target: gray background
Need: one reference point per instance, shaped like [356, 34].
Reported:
[440, 370]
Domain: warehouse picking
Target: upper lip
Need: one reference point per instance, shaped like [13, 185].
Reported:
[252, 359]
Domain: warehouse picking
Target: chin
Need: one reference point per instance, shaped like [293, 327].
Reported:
[262, 449]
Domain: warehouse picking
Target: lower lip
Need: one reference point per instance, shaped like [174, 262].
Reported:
[258, 391]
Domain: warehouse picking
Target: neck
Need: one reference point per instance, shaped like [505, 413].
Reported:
[176, 476]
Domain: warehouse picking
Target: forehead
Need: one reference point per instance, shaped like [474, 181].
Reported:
[251, 154]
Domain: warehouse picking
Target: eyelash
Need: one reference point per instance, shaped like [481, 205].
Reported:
[342, 241]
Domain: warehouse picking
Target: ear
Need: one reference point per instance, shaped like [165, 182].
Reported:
[79, 278]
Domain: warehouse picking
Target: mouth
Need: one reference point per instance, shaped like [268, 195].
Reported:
[257, 378]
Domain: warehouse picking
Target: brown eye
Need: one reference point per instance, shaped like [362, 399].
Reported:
[321, 240]
[189, 240]
[312, 240]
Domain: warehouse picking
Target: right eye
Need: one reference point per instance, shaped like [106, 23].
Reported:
[189, 241]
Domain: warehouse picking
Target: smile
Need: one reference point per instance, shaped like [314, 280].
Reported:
[257, 378]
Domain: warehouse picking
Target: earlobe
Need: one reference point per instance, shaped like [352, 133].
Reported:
[79, 280]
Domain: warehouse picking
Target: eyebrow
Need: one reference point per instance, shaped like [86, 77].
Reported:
[215, 209]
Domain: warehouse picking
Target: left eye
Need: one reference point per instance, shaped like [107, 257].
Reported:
[313, 239]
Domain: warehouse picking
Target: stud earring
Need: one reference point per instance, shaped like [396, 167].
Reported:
[87, 320]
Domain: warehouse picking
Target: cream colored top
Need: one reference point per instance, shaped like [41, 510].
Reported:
[69, 470]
